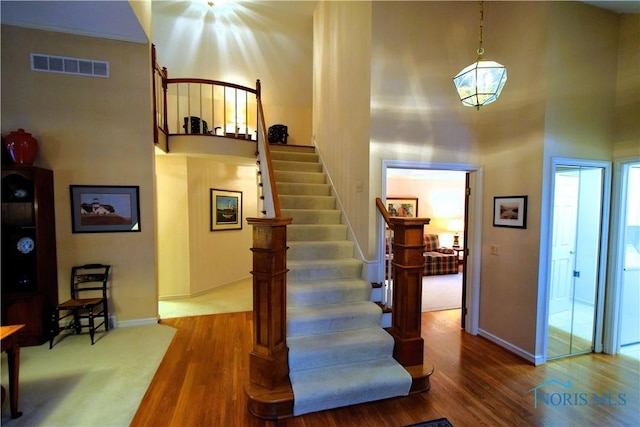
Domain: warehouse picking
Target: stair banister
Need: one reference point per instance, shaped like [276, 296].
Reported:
[268, 360]
[408, 264]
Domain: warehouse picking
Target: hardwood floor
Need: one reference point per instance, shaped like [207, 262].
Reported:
[201, 380]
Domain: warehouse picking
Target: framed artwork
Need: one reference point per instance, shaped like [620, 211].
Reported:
[510, 211]
[402, 207]
[226, 210]
[104, 208]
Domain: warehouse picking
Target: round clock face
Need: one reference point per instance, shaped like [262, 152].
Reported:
[26, 245]
[20, 193]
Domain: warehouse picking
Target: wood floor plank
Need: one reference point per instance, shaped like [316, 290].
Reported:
[201, 381]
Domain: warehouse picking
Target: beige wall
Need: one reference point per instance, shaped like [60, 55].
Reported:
[627, 125]
[93, 131]
[555, 93]
[192, 259]
[341, 92]
[276, 48]
[174, 272]
[415, 113]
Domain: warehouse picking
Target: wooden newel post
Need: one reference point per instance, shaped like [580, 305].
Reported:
[268, 361]
[406, 315]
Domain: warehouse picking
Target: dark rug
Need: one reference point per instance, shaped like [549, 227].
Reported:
[440, 422]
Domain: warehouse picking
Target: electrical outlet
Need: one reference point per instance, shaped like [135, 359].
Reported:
[359, 187]
[495, 250]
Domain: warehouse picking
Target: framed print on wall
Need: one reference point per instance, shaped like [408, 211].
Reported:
[104, 208]
[510, 211]
[402, 207]
[226, 210]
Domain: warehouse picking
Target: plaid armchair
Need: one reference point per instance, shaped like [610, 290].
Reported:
[438, 260]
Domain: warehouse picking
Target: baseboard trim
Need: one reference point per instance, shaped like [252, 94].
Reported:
[134, 322]
[508, 346]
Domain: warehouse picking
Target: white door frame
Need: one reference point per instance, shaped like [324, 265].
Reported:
[474, 222]
[546, 236]
[616, 261]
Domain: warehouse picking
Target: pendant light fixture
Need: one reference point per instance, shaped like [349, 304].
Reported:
[481, 82]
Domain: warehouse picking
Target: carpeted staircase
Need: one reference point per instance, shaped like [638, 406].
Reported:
[339, 354]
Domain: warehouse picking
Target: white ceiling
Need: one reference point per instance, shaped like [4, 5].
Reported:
[116, 20]
[628, 6]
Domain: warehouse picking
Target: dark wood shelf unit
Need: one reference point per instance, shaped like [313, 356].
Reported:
[30, 278]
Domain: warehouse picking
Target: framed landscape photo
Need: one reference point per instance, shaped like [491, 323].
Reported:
[402, 207]
[226, 210]
[104, 208]
[510, 211]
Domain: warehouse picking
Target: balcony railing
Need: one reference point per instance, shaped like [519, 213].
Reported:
[203, 107]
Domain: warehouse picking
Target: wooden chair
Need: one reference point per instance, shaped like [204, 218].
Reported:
[88, 302]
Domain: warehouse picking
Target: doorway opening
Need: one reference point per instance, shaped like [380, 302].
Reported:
[448, 194]
[623, 319]
[441, 197]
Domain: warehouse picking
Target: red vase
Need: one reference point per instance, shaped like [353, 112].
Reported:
[21, 146]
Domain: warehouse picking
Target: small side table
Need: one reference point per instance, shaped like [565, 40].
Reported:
[458, 250]
[10, 344]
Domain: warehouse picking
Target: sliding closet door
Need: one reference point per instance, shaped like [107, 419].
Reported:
[575, 259]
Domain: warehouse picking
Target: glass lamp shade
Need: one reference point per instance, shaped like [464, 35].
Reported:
[480, 83]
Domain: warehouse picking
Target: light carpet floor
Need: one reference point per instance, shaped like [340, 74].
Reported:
[231, 298]
[79, 384]
[442, 292]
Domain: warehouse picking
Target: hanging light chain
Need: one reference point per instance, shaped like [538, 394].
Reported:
[480, 48]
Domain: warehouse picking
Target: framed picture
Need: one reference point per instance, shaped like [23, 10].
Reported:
[226, 210]
[510, 211]
[104, 208]
[402, 207]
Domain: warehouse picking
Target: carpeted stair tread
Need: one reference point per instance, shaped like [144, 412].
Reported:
[310, 250]
[319, 292]
[307, 202]
[292, 148]
[296, 176]
[315, 319]
[313, 216]
[328, 269]
[294, 156]
[337, 386]
[309, 189]
[339, 354]
[296, 166]
[316, 232]
[339, 348]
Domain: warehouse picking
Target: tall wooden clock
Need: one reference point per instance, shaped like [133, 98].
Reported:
[29, 265]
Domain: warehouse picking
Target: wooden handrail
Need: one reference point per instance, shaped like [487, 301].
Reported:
[269, 189]
[212, 82]
[384, 212]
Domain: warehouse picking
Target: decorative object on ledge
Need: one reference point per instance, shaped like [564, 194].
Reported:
[456, 225]
[402, 207]
[22, 147]
[481, 82]
[226, 210]
[510, 211]
[104, 208]
[278, 134]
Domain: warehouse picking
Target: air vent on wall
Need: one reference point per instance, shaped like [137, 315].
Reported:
[65, 65]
